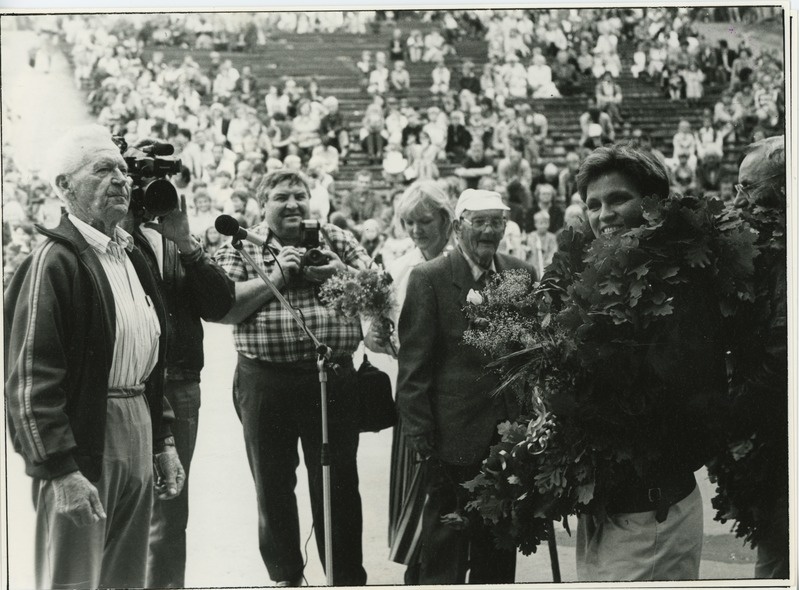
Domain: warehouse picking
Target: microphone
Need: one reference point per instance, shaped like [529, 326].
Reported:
[228, 226]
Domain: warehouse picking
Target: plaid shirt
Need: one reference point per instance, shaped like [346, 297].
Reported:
[271, 334]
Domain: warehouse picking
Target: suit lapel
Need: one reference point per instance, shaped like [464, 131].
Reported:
[461, 275]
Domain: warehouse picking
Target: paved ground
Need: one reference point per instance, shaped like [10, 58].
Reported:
[222, 546]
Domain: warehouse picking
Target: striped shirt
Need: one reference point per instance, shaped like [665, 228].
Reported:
[137, 327]
[271, 334]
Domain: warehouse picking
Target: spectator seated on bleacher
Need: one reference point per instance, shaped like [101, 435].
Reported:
[458, 137]
[225, 81]
[766, 101]
[544, 200]
[399, 79]
[684, 143]
[550, 175]
[514, 78]
[742, 69]
[744, 117]
[378, 77]
[683, 176]
[468, 80]
[567, 179]
[422, 157]
[513, 166]
[372, 132]
[396, 46]
[434, 46]
[415, 46]
[609, 97]
[596, 126]
[475, 165]
[539, 79]
[441, 78]
[364, 66]
[436, 130]
[540, 244]
[694, 80]
[305, 130]
[585, 59]
[332, 129]
[709, 139]
[395, 122]
[565, 75]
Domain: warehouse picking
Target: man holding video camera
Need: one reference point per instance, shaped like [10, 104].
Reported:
[276, 387]
[192, 288]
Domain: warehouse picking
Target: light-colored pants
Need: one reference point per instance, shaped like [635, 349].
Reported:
[113, 552]
[635, 547]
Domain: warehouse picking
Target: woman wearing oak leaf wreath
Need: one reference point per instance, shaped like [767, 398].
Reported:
[648, 525]
[426, 214]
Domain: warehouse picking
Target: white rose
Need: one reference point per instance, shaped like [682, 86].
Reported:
[474, 297]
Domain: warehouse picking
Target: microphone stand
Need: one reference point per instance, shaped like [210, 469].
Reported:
[323, 357]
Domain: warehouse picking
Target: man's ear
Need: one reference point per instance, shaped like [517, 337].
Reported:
[62, 182]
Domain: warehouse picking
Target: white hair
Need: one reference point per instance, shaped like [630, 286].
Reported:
[73, 148]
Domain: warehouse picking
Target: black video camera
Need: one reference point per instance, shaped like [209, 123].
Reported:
[309, 239]
[148, 167]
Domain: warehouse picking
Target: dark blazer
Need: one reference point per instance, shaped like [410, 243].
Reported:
[442, 387]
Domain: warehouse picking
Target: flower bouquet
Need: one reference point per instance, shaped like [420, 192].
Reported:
[367, 292]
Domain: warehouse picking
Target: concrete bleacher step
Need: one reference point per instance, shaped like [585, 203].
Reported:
[331, 59]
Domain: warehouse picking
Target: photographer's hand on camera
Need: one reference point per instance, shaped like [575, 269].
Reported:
[319, 274]
[289, 259]
[174, 226]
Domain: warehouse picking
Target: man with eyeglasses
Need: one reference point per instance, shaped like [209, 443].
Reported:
[443, 393]
[754, 480]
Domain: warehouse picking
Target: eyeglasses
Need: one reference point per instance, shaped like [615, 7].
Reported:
[481, 223]
[741, 189]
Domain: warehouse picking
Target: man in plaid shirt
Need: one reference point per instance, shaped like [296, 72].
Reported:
[276, 388]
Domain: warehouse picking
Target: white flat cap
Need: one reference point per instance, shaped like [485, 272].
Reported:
[479, 200]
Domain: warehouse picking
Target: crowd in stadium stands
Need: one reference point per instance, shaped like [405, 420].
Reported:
[229, 127]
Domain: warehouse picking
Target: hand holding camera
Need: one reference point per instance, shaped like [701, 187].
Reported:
[319, 273]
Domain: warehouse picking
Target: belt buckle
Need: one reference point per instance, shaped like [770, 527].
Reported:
[654, 495]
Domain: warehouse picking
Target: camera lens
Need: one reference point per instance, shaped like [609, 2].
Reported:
[314, 257]
[160, 197]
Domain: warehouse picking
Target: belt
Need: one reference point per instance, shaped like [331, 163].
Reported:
[303, 366]
[131, 391]
[659, 498]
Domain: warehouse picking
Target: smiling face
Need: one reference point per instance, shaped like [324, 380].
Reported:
[614, 204]
[479, 234]
[98, 191]
[285, 207]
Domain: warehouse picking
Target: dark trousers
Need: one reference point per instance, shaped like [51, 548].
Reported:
[448, 553]
[166, 563]
[773, 556]
[277, 407]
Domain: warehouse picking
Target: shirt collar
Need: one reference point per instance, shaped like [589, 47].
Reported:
[477, 270]
[98, 240]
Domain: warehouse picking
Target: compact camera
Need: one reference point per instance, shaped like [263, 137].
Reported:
[309, 239]
[148, 167]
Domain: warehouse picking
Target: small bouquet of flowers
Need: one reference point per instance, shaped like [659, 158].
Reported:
[367, 292]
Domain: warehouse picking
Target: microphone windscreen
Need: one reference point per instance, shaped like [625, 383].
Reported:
[226, 225]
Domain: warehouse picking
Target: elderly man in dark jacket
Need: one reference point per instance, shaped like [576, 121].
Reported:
[85, 343]
[443, 393]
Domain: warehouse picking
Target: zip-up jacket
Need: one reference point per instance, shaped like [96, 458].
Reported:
[59, 320]
[192, 287]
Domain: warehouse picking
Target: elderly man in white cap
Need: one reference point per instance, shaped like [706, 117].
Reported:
[85, 344]
[443, 393]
